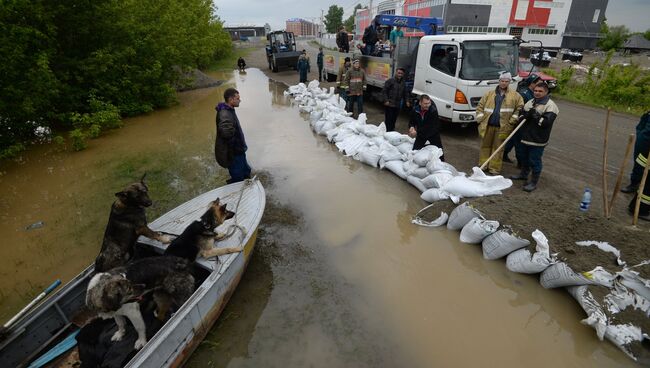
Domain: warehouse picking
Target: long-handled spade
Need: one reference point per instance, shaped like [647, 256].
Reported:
[5, 329]
[482, 167]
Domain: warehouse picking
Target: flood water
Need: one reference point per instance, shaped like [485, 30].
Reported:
[352, 283]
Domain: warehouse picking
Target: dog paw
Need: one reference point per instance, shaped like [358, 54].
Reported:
[239, 249]
[165, 239]
[139, 344]
[118, 335]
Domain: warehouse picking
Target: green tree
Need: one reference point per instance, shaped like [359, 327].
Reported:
[614, 37]
[349, 23]
[647, 35]
[83, 65]
[333, 19]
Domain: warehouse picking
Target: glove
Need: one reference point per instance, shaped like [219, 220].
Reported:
[364, 88]
[533, 115]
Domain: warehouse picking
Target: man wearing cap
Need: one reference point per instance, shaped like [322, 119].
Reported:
[526, 92]
[303, 66]
[341, 84]
[497, 115]
[356, 80]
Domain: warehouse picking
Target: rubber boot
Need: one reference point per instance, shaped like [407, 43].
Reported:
[532, 184]
[523, 175]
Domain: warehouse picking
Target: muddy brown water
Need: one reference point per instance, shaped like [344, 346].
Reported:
[340, 277]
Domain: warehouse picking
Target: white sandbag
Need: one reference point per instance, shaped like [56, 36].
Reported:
[521, 261]
[416, 182]
[477, 229]
[318, 125]
[420, 172]
[405, 147]
[352, 144]
[461, 215]
[425, 154]
[397, 168]
[396, 138]
[605, 247]
[379, 141]
[315, 115]
[501, 243]
[435, 166]
[477, 185]
[441, 220]
[434, 195]
[329, 125]
[559, 275]
[313, 85]
[368, 155]
[436, 180]
[388, 152]
[410, 166]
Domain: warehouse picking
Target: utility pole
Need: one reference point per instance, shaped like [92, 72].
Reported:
[322, 26]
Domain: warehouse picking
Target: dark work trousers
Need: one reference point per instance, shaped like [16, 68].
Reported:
[358, 100]
[511, 144]
[433, 138]
[531, 157]
[239, 169]
[637, 169]
[320, 73]
[644, 209]
[390, 117]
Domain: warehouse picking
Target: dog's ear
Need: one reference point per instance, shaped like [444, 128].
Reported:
[208, 219]
[122, 195]
[216, 202]
[142, 179]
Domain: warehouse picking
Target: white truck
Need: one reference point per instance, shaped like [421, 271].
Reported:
[455, 70]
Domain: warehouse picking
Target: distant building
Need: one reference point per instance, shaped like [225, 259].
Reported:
[557, 23]
[301, 27]
[636, 43]
[238, 32]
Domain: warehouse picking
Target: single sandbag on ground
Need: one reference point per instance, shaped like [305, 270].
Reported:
[477, 229]
[396, 138]
[434, 195]
[396, 167]
[560, 274]
[426, 154]
[437, 180]
[441, 220]
[416, 182]
[523, 261]
[502, 243]
[461, 215]
[368, 155]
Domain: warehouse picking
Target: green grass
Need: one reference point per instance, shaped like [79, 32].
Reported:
[230, 62]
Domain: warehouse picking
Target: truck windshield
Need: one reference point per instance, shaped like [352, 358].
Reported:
[488, 59]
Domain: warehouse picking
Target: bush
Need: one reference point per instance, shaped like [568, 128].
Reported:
[78, 140]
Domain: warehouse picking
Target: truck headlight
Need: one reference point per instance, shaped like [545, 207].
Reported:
[466, 117]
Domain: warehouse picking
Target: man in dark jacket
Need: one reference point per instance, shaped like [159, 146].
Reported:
[230, 145]
[319, 63]
[641, 149]
[342, 40]
[424, 124]
[540, 114]
[393, 92]
[526, 92]
[370, 39]
[642, 140]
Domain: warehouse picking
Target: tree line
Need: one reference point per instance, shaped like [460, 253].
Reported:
[83, 65]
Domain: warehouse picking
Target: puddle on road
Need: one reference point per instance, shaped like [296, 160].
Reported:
[354, 283]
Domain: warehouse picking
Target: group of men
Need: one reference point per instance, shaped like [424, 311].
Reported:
[528, 112]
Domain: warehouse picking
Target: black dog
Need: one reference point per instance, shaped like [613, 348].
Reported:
[199, 236]
[115, 294]
[126, 223]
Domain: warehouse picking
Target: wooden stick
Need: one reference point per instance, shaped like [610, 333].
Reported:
[605, 190]
[502, 145]
[621, 171]
[639, 193]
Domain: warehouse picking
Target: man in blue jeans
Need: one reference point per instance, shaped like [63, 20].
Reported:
[230, 145]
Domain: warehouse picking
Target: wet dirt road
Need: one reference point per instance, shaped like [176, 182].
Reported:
[340, 276]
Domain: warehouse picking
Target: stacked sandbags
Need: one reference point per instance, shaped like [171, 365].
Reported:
[372, 145]
[522, 261]
[501, 243]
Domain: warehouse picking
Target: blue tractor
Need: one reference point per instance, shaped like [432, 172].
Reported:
[281, 50]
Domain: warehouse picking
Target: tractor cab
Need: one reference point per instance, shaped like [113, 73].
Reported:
[281, 50]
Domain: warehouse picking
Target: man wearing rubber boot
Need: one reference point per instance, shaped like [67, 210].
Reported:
[230, 145]
[497, 114]
[642, 146]
[642, 140]
[540, 114]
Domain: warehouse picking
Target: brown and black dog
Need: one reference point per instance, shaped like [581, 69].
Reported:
[126, 223]
[199, 236]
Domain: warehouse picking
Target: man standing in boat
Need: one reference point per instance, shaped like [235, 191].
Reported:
[230, 145]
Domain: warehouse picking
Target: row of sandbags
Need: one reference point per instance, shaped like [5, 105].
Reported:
[437, 180]
[627, 289]
[392, 151]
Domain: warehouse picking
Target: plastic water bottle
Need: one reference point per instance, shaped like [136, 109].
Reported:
[586, 200]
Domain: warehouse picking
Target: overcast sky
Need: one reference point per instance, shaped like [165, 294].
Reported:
[632, 13]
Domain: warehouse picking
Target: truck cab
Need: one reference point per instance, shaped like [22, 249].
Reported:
[456, 70]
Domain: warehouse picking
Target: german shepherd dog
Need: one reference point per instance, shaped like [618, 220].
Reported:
[126, 223]
[199, 236]
[115, 294]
